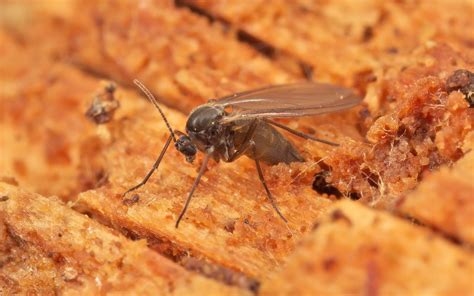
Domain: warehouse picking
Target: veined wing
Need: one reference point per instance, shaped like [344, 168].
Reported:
[288, 100]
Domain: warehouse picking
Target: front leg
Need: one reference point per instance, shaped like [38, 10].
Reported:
[153, 169]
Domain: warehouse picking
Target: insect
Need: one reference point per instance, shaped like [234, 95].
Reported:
[240, 124]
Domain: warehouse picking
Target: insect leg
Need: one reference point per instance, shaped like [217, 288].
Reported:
[155, 166]
[269, 194]
[300, 134]
[196, 183]
[245, 143]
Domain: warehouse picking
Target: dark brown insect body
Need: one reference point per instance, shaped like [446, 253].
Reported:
[240, 124]
[254, 138]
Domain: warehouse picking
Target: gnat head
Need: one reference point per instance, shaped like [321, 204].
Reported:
[183, 144]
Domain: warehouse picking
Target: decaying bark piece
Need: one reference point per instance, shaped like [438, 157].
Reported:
[47, 248]
[358, 251]
[416, 121]
[180, 56]
[104, 105]
[419, 126]
[445, 200]
[42, 123]
[345, 41]
[45, 134]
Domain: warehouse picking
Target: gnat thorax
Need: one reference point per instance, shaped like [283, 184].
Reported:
[204, 127]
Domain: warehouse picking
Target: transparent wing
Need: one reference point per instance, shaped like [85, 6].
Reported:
[288, 100]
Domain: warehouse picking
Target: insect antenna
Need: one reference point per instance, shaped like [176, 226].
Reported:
[153, 100]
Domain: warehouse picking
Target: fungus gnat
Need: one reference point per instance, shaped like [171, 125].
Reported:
[240, 124]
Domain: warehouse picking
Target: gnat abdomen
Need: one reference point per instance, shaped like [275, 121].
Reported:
[272, 147]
